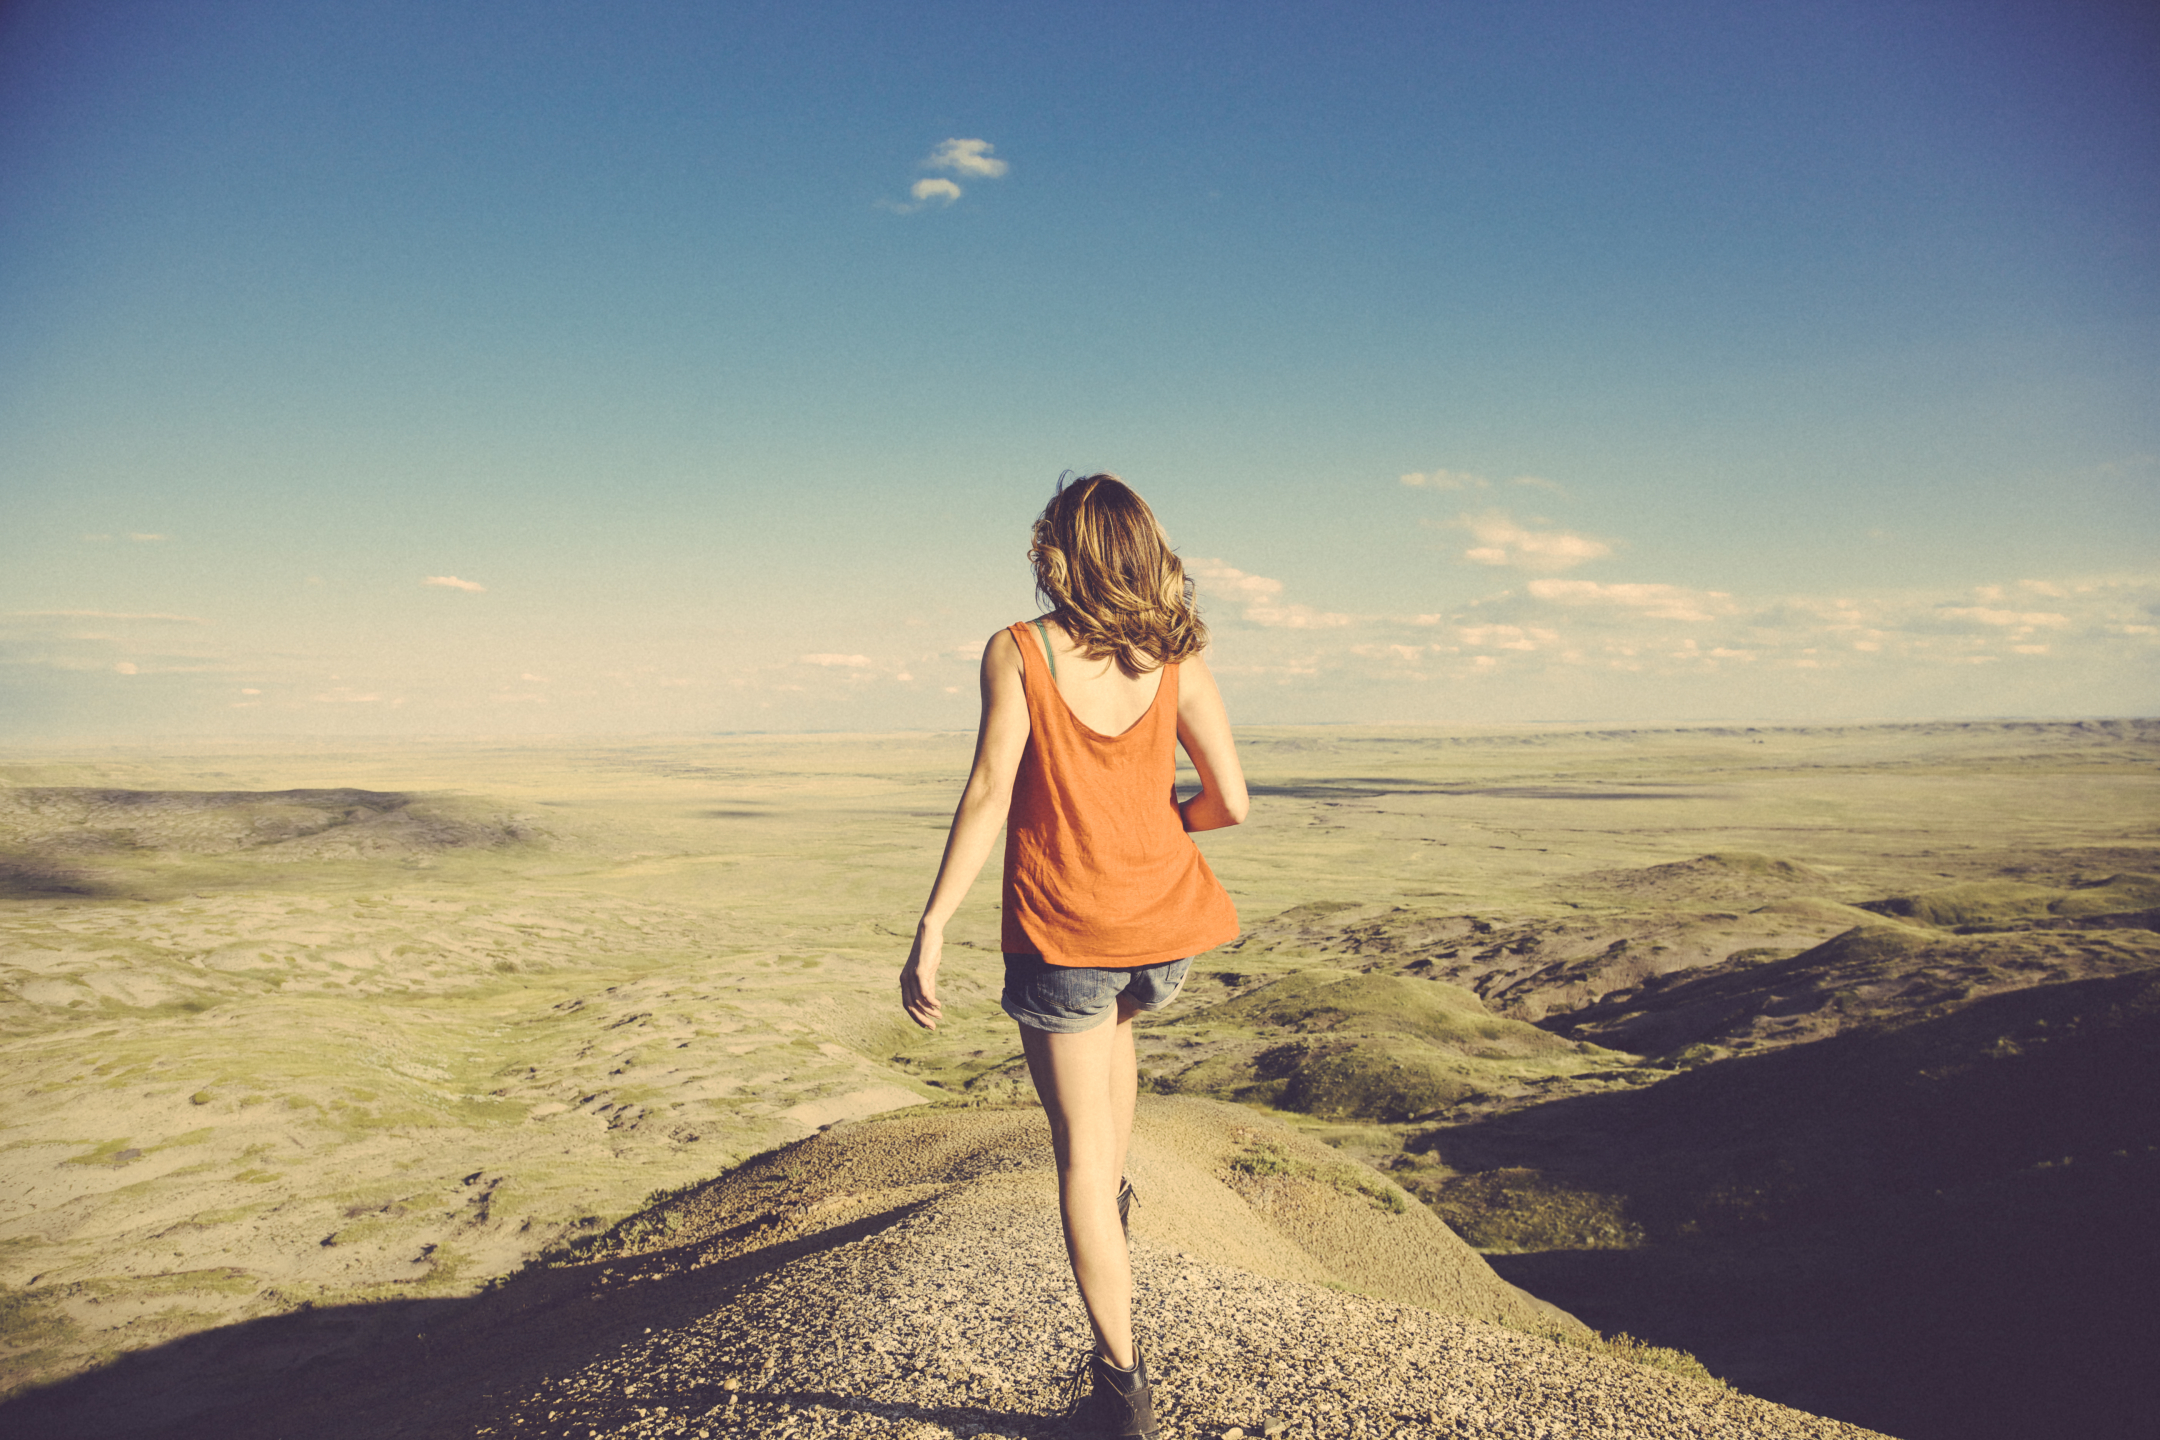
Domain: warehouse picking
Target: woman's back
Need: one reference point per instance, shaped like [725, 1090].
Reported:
[1099, 693]
[1099, 869]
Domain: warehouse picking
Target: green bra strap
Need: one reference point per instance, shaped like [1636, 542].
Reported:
[1047, 655]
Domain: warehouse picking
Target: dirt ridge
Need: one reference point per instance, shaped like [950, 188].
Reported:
[905, 1279]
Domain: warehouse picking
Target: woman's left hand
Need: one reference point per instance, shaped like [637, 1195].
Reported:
[918, 979]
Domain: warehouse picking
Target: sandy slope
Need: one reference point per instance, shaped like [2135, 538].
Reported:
[905, 1278]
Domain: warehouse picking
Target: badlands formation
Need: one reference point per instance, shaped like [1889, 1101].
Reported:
[560, 1090]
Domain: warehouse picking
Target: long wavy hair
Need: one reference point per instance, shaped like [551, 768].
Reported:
[1107, 571]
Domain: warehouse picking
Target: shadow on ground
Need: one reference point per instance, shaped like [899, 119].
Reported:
[1941, 1230]
[412, 1368]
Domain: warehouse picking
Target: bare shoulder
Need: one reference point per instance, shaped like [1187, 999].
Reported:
[1002, 653]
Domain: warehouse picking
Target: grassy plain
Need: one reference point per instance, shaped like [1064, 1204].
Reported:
[316, 1025]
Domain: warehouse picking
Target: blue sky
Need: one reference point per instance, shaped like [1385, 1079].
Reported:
[1489, 363]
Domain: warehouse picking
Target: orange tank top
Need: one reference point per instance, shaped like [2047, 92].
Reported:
[1098, 868]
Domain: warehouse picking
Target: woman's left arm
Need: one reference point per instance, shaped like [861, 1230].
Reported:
[1204, 730]
[1000, 741]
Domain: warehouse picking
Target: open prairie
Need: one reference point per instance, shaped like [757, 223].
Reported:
[1822, 1053]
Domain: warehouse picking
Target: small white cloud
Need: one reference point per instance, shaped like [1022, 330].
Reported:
[1228, 581]
[125, 667]
[969, 158]
[451, 582]
[1261, 597]
[851, 662]
[536, 679]
[140, 536]
[2030, 619]
[249, 690]
[966, 157]
[1662, 602]
[1503, 542]
[1504, 637]
[1401, 654]
[1446, 480]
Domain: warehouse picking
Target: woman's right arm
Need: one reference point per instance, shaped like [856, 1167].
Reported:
[1000, 741]
[1203, 728]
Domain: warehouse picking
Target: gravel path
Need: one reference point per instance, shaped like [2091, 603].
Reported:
[955, 1314]
[905, 1278]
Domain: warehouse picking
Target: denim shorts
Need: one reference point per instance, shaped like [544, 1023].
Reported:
[1065, 999]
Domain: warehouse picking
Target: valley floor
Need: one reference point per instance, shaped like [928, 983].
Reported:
[1804, 1050]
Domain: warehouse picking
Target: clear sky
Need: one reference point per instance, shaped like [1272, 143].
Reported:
[614, 367]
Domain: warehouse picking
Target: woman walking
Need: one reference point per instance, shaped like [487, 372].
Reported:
[1106, 900]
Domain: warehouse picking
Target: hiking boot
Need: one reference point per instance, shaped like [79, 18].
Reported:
[1123, 1400]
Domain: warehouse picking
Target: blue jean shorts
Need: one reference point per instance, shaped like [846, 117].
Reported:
[1065, 999]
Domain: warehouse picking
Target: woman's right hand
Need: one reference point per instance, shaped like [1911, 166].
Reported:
[918, 978]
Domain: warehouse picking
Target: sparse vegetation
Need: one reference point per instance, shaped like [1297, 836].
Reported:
[1265, 1160]
[1623, 1346]
[360, 999]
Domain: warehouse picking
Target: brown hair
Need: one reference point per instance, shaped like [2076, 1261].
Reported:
[1112, 581]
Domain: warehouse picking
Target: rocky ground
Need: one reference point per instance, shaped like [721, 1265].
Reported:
[905, 1279]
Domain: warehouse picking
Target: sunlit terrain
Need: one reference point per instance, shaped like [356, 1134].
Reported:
[311, 1026]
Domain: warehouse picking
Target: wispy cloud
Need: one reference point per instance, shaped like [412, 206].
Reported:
[1659, 602]
[1572, 646]
[1501, 541]
[141, 537]
[1445, 480]
[966, 157]
[851, 662]
[451, 582]
[1465, 480]
[151, 616]
[1505, 637]
[2017, 619]
[1260, 598]
[122, 642]
[1677, 629]
[970, 159]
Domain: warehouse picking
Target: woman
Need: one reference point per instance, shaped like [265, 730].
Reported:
[1106, 900]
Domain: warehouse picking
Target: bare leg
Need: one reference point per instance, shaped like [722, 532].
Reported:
[1088, 1083]
[1124, 1087]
